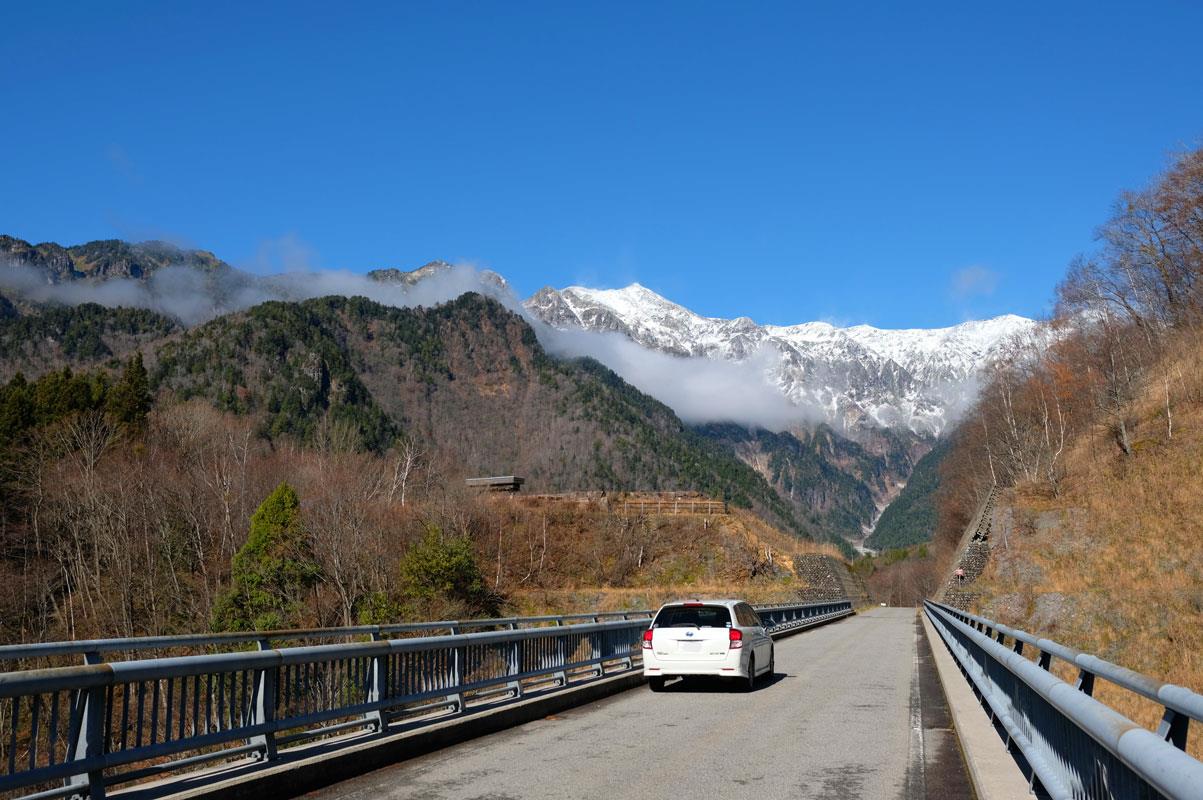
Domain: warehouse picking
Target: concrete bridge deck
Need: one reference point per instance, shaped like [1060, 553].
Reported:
[854, 711]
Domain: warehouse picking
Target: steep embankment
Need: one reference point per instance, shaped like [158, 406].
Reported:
[1113, 564]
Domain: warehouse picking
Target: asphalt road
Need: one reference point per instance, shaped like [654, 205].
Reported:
[844, 717]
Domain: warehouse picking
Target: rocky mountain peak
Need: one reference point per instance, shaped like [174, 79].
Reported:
[104, 259]
[857, 377]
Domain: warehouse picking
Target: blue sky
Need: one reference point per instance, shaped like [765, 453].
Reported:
[900, 164]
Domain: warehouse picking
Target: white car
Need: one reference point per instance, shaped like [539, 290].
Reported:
[721, 638]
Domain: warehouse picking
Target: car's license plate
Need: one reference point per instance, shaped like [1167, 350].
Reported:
[691, 647]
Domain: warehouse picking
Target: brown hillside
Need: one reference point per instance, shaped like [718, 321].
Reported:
[1113, 563]
[1093, 429]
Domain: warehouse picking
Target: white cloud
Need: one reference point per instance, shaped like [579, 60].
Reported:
[974, 281]
[699, 390]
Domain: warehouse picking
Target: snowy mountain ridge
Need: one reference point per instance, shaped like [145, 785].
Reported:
[854, 377]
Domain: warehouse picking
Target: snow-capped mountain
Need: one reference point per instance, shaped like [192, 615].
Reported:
[856, 377]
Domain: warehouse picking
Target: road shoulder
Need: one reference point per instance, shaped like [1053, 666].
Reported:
[993, 771]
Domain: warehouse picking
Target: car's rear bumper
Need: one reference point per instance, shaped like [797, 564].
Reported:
[734, 665]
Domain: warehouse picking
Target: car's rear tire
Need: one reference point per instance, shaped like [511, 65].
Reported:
[750, 684]
[656, 683]
[772, 664]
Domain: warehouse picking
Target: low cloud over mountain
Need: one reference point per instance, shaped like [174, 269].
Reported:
[707, 370]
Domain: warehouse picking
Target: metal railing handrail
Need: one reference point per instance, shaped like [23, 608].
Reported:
[247, 697]
[98, 724]
[91, 675]
[95, 647]
[1124, 758]
[1175, 698]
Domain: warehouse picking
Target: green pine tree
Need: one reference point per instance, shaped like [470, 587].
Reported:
[129, 400]
[16, 408]
[272, 572]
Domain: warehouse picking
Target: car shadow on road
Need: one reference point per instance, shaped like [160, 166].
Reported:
[708, 685]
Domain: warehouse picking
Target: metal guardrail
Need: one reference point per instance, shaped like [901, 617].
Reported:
[101, 724]
[93, 649]
[1076, 746]
[783, 618]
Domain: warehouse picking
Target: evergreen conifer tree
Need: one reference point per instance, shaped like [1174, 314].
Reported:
[129, 400]
[272, 571]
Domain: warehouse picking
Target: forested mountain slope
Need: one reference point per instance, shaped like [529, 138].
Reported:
[35, 339]
[832, 481]
[911, 517]
[468, 379]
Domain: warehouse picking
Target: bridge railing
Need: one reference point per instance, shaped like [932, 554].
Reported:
[1075, 745]
[94, 650]
[83, 724]
[786, 617]
[75, 730]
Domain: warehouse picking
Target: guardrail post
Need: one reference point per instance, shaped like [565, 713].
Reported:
[1173, 728]
[516, 668]
[264, 704]
[1085, 683]
[562, 660]
[87, 720]
[595, 647]
[376, 686]
[458, 667]
[1046, 660]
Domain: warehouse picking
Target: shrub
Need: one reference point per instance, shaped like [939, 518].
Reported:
[439, 576]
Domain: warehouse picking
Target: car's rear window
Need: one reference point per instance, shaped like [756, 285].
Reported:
[693, 616]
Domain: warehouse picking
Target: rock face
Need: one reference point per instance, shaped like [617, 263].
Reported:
[860, 376]
[433, 269]
[110, 258]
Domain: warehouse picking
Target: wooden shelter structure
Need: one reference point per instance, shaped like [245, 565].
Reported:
[496, 483]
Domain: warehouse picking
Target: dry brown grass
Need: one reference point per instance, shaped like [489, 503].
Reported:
[736, 554]
[1125, 550]
[759, 534]
[570, 601]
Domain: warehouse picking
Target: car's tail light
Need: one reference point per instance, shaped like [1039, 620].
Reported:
[735, 637]
[647, 639]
